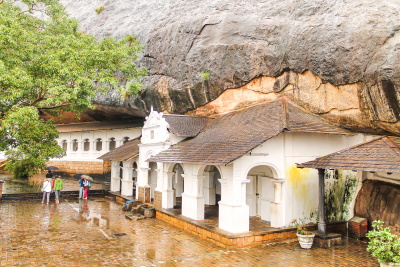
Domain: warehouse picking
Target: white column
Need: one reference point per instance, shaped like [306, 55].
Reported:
[127, 182]
[233, 210]
[115, 179]
[104, 148]
[209, 188]
[278, 206]
[192, 197]
[168, 196]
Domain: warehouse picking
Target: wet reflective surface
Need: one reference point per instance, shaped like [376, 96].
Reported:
[33, 185]
[95, 232]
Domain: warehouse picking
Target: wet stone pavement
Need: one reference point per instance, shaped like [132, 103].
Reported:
[95, 232]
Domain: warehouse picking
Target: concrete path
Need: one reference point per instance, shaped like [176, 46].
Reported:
[96, 233]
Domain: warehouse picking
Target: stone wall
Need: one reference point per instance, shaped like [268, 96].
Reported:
[157, 200]
[86, 167]
[144, 194]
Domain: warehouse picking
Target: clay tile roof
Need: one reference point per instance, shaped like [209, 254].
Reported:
[234, 134]
[185, 126]
[97, 125]
[378, 155]
[125, 152]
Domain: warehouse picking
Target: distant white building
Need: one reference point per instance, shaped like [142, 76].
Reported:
[85, 142]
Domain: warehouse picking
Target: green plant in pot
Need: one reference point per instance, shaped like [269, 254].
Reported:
[305, 237]
[383, 245]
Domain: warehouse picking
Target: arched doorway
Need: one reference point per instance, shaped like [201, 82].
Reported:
[212, 186]
[260, 192]
[178, 185]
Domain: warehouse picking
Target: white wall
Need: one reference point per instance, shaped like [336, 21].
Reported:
[93, 154]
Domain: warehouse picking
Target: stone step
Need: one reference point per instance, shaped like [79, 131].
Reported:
[64, 194]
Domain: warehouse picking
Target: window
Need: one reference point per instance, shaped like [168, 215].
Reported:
[99, 144]
[152, 134]
[86, 145]
[64, 145]
[112, 143]
[74, 145]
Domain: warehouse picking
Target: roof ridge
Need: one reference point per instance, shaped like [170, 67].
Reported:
[391, 144]
[285, 113]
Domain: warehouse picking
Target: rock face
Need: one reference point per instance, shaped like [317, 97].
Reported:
[338, 58]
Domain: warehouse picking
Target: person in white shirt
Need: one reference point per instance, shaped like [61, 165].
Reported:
[46, 189]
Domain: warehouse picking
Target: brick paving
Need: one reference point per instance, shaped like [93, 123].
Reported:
[96, 233]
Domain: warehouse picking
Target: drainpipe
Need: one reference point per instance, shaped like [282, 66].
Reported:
[1, 189]
[321, 222]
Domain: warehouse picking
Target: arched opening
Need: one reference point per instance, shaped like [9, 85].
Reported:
[134, 177]
[121, 174]
[74, 145]
[212, 193]
[112, 144]
[178, 185]
[86, 145]
[64, 145]
[260, 192]
[152, 174]
[99, 144]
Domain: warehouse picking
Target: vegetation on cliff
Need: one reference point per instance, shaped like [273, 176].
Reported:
[47, 65]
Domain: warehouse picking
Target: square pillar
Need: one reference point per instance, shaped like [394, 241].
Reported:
[115, 182]
[278, 206]
[233, 215]
[209, 189]
[127, 182]
[192, 198]
[168, 196]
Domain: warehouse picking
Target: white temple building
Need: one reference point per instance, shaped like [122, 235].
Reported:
[242, 161]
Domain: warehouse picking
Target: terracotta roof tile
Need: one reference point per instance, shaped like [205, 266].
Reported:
[185, 126]
[378, 155]
[125, 152]
[234, 134]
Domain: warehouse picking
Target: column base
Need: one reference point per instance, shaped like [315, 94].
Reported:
[277, 214]
[127, 188]
[157, 199]
[144, 194]
[168, 197]
[115, 184]
[234, 218]
[193, 207]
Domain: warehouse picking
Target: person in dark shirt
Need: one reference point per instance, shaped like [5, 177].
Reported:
[49, 174]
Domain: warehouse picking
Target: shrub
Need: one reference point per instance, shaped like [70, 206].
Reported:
[383, 245]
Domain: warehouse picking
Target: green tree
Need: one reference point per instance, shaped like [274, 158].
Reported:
[48, 65]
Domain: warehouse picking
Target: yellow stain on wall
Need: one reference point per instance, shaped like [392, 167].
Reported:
[300, 180]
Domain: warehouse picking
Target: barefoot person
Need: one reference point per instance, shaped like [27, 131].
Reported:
[46, 189]
[58, 186]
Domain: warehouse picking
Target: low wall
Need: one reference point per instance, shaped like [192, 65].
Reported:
[86, 167]
[228, 241]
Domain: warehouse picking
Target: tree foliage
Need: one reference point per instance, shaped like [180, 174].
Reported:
[47, 64]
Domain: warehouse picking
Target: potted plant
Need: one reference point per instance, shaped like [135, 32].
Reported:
[305, 237]
[383, 245]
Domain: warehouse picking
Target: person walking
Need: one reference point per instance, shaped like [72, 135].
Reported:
[58, 186]
[86, 186]
[81, 180]
[46, 189]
